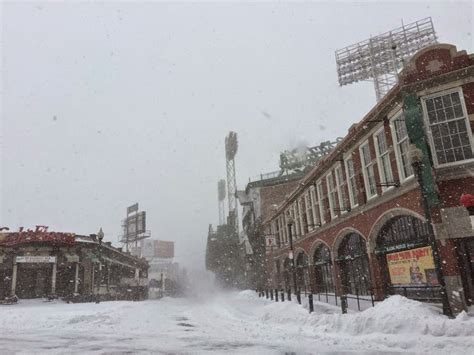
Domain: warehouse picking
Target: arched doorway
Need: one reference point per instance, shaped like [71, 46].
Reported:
[286, 273]
[405, 257]
[323, 270]
[354, 265]
[302, 273]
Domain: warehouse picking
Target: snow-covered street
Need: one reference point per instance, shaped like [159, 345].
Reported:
[231, 322]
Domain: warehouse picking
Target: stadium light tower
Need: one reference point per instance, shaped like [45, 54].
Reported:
[381, 57]
[230, 152]
[221, 199]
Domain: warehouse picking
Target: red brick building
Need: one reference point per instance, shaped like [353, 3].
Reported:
[359, 224]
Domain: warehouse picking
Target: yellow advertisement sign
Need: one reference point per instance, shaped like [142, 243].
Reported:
[412, 267]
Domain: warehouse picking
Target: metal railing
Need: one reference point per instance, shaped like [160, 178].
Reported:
[351, 298]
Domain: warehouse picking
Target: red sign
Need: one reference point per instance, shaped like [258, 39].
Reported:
[36, 237]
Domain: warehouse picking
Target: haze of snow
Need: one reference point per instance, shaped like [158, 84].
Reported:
[230, 322]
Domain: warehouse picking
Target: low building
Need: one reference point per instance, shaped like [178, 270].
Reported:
[357, 218]
[39, 263]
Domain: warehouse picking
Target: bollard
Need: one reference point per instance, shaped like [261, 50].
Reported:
[271, 294]
[311, 305]
[266, 293]
[289, 294]
[276, 295]
[298, 296]
[344, 304]
[282, 295]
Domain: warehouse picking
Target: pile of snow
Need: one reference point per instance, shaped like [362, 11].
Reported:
[247, 295]
[396, 315]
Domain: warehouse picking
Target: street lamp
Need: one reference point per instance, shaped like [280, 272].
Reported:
[100, 237]
[289, 221]
[416, 157]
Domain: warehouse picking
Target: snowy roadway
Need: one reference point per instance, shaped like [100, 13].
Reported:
[229, 323]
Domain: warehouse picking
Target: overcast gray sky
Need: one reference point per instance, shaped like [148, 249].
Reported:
[107, 104]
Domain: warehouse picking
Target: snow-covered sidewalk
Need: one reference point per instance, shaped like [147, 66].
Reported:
[230, 322]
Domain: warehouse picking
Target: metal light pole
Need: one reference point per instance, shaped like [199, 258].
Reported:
[416, 156]
[100, 237]
[291, 255]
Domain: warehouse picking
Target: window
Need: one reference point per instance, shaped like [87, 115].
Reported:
[309, 210]
[402, 144]
[341, 190]
[284, 228]
[450, 132]
[331, 195]
[319, 187]
[368, 170]
[302, 215]
[383, 159]
[315, 206]
[352, 182]
[296, 220]
[278, 233]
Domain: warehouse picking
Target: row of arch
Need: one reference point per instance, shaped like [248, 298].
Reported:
[348, 257]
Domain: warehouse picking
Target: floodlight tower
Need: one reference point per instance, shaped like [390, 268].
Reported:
[221, 198]
[379, 58]
[230, 152]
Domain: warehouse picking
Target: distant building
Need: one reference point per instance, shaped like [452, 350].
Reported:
[260, 198]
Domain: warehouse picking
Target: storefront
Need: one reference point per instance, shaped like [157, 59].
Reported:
[406, 259]
[38, 263]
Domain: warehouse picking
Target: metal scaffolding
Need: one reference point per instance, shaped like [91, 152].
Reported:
[379, 58]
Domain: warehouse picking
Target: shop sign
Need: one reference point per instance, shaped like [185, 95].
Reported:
[35, 259]
[412, 267]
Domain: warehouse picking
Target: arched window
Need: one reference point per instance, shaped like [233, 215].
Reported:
[355, 273]
[323, 269]
[302, 276]
[286, 273]
[402, 232]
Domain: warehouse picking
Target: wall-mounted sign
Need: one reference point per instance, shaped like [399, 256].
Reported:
[35, 259]
[412, 267]
[270, 241]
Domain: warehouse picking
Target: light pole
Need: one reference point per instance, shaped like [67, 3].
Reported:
[416, 156]
[291, 255]
[100, 237]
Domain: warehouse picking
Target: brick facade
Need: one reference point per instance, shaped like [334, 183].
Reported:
[435, 69]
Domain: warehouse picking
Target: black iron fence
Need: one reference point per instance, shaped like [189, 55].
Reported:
[349, 298]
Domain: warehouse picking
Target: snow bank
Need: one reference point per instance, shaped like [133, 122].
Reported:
[247, 295]
[395, 316]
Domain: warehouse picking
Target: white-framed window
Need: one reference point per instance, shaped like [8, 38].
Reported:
[277, 232]
[309, 210]
[383, 159]
[341, 189]
[296, 221]
[368, 170]
[302, 215]
[331, 195]
[449, 128]
[315, 206]
[284, 228]
[352, 182]
[320, 193]
[401, 143]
